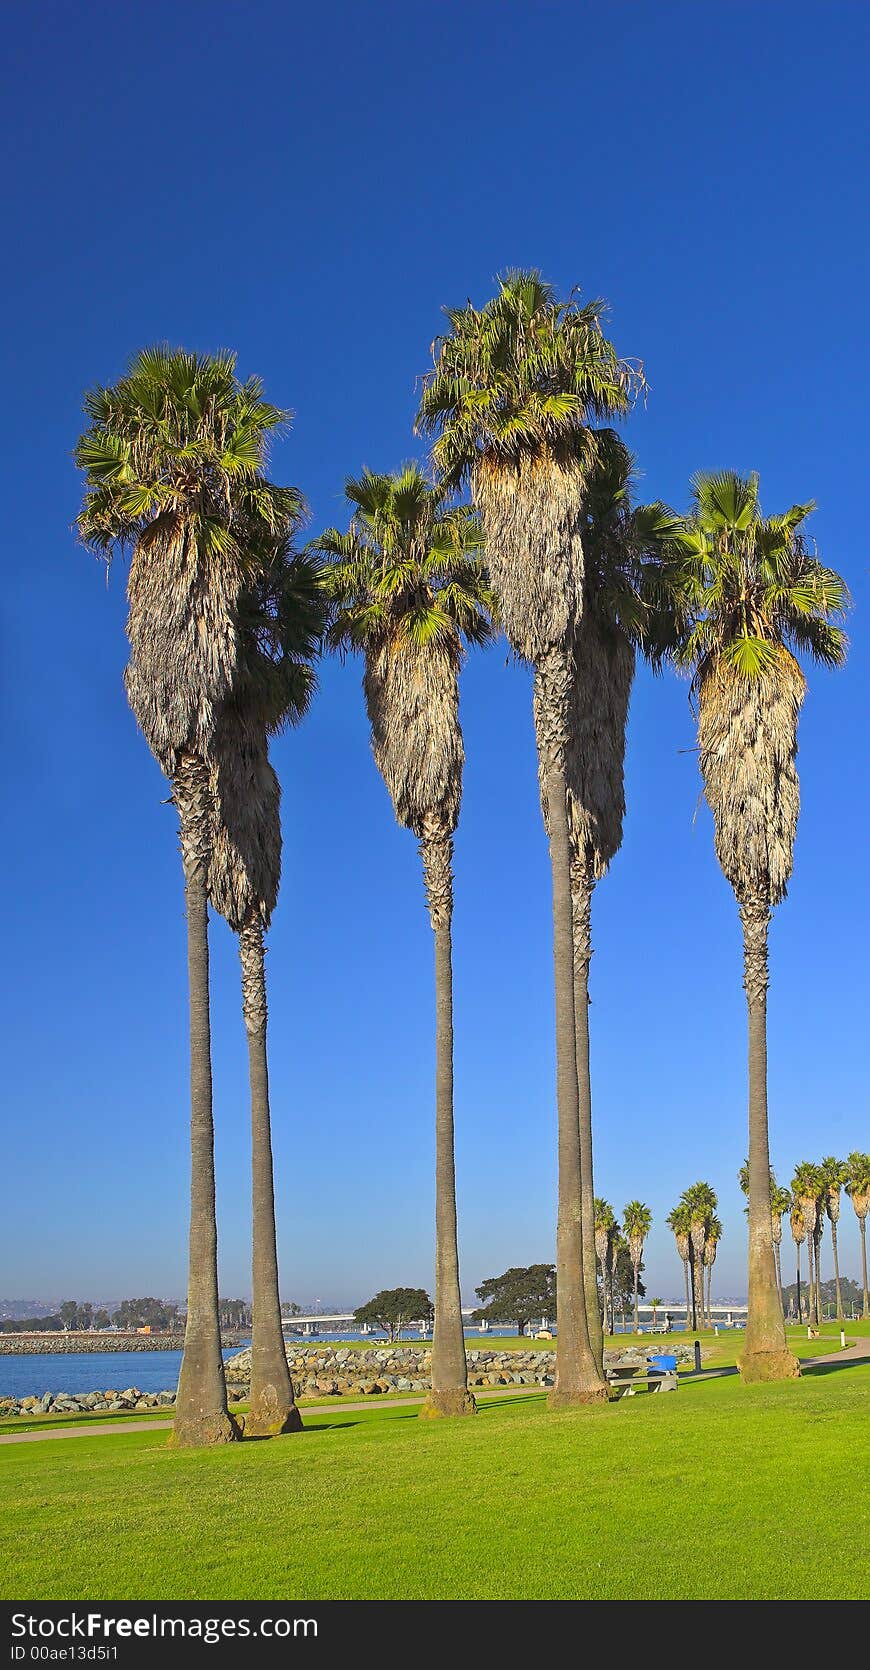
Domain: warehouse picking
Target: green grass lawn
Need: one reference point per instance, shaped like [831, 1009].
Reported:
[693, 1494]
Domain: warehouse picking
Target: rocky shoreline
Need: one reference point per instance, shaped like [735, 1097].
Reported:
[331, 1371]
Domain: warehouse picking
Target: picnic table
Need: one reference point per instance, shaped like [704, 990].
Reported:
[658, 1375]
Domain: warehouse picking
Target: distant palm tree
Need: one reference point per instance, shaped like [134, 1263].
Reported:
[711, 1247]
[780, 1203]
[514, 389]
[858, 1190]
[174, 460]
[798, 1235]
[807, 1189]
[700, 1201]
[282, 619]
[834, 1174]
[680, 1223]
[656, 1306]
[606, 1229]
[636, 1225]
[411, 593]
[750, 594]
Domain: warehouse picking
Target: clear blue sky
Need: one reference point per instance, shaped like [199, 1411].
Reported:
[309, 186]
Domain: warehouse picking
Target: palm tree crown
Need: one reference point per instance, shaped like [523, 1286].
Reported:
[174, 459]
[750, 594]
[526, 373]
[409, 588]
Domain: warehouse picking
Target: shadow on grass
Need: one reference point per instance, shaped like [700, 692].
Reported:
[814, 1370]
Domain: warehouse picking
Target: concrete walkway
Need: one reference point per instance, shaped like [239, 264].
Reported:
[858, 1351]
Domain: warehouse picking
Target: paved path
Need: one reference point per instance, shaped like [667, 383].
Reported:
[858, 1351]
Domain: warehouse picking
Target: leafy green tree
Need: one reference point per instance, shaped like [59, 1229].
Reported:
[749, 595]
[174, 462]
[835, 1173]
[393, 1309]
[858, 1190]
[101, 1319]
[636, 1225]
[518, 1295]
[513, 393]
[411, 593]
[69, 1313]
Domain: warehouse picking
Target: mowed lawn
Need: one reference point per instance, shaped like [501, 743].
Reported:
[691, 1494]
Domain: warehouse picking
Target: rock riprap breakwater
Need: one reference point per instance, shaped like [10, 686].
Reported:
[342, 1372]
[86, 1403]
[71, 1344]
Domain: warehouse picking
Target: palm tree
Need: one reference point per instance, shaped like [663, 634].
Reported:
[807, 1188]
[510, 398]
[751, 593]
[636, 1224]
[798, 1235]
[700, 1201]
[780, 1203]
[679, 1222]
[656, 1304]
[711, 1246]
[605, 1230]
[282, 620]
[411, 593]
[834, 1174]
[621, 544]
[858, 1190]
[174, 459]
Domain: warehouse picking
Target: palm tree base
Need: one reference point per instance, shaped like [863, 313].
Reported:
[267, 1424]
[458, 1401]
[577, 1397]
[195, 1432]
[768, 1365]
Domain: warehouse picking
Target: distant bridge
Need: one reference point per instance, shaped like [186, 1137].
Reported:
[305, 1327]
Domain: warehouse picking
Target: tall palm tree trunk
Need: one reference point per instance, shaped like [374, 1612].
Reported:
[778, 1262]
[697, 1276]
[636, 1317]
[766, 1356]
[798, 1300]
[272, 1405]
[201, 1413]
[709, 1319]
[811, 1282]
[836, 1254]
[579, 1379]
[449, 1394]
[581, 906]
[819, 1305]
[866, 1310]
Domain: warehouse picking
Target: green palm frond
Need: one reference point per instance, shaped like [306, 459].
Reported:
[524, 373]
[180, 435]
[408, 569]
[740, 587]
